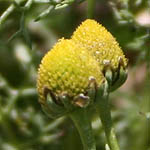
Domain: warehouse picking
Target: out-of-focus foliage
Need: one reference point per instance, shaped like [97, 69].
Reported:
[23, 125]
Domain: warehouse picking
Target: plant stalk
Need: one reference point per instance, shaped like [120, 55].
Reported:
[103, 109]
[90, 8]
[82, 123]
[4, 16]
[11, 8]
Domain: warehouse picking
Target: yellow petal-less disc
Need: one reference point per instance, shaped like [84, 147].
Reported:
[100, 43]
[67, 68]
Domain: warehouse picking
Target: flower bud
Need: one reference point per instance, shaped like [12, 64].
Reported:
[100, 43]
[67, 68]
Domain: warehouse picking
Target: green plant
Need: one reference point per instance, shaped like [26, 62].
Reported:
[65, 74]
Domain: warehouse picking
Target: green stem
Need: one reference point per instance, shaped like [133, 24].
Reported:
[28, 4]
[105, 115]
[90, 8]
[4, 16]
[82, 123]
[11, 8]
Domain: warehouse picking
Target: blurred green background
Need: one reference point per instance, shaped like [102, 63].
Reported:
[23, 125]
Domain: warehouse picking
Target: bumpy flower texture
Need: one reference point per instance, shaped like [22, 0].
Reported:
[67, 68]
[102, 45]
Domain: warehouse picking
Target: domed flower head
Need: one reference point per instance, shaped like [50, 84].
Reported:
[67, 68]
[100, 43]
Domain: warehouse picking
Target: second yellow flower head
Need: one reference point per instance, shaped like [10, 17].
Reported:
[102, 45]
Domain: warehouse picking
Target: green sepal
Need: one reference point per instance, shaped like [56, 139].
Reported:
[60, 110]
[122, 76]
[67, 102]
[52, 109]
[91, 91]
[109, 76]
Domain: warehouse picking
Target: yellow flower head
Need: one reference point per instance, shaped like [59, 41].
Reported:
[102, 45]
[67, 68]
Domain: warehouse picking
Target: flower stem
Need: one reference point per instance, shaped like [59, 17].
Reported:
[105, 115]
[82, 123]
[90, 8]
